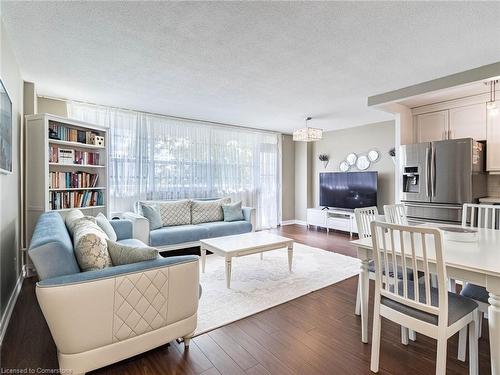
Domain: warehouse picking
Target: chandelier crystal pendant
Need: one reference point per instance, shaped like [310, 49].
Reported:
[307, 134]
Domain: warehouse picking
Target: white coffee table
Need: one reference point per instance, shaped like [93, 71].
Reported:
[244, 244]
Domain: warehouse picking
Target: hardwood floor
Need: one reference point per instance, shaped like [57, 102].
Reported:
[315, 334]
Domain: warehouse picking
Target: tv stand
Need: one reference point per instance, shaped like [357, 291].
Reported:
[332, 218]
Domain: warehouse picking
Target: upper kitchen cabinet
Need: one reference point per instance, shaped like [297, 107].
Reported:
[468, 122]
[432, 126]
[493, 141]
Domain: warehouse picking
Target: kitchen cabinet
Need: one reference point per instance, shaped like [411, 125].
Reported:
[454, 123]
[493, 141]
[468, 122]
[432, 126]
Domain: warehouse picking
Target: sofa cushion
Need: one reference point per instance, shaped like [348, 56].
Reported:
[175, 212]
[208, 211]
[224, 228]
[51, 249]
[123, 254]
[152, 213]
[132, 242]
[70, 217]
[177, 234]
[104, 224]
[90, 245]
[233, 212]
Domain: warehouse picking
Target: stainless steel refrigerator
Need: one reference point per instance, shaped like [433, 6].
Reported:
[437, 178]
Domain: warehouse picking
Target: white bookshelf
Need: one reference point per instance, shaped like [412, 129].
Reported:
[38, 167]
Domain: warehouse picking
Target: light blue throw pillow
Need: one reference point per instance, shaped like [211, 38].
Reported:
[122, 254]
[232, 212]
[153, 215]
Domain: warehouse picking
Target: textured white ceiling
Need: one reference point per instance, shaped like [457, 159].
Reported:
[258, 64]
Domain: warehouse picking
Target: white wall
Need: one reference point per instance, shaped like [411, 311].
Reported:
[10, 266]
[337, 144]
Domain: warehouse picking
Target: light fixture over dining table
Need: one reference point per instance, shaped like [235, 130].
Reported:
[307, 134]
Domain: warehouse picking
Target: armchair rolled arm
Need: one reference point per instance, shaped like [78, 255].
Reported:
[140, 226]
[94, 309]
[250, 215]
[124, 228]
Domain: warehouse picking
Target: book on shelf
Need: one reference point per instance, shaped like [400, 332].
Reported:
[69, 156]
[59, 200]
[68, 180]
[63, 132]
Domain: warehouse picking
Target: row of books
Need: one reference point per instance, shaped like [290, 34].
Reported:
[64, 180]
[75, 199]
[67, 156]
[65, 133]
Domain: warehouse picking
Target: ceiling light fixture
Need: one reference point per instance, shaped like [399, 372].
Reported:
[307, 134]
[491, 106]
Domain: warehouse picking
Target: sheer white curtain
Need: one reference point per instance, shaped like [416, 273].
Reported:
[157, 157]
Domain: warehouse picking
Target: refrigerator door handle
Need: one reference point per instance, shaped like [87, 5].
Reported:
[427, 172]
[433, 172]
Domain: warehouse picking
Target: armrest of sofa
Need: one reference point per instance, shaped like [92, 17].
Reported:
[124, 228]
[140, 226]
[249, 215]
[93, 309]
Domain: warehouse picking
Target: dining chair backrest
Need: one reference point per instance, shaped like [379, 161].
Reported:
[364, 216]
[410, 247]
[395, 214]
[481, 216]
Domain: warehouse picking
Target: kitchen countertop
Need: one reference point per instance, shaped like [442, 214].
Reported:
[490, 200]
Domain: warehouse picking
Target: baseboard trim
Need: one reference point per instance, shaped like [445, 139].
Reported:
[4, 322]
[291, 222]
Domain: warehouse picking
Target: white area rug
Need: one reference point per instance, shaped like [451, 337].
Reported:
[259, 285]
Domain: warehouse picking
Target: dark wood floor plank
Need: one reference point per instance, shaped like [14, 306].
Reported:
[217, 356]
[237, 353]
[315, 333]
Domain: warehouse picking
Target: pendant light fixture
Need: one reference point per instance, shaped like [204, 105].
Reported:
[307, 134]
[491, 106]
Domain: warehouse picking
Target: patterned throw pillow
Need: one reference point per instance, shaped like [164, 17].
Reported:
[90, 245]
[122, 254]
[175, 212]
[104, 224]
[152, 213]
[208, 211]
[232, 212]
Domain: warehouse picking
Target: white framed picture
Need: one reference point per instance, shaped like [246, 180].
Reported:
[5, 130]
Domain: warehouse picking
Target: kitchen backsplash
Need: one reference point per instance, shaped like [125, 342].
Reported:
[494, 185]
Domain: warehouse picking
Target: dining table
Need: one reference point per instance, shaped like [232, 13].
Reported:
[476, 261]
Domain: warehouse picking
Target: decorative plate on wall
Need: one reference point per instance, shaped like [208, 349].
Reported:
[363, 163]
[373, 155]
[344, 166]
[351, 158]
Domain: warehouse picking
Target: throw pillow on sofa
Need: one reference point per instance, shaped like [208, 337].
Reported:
[233, 211]
[175, 212]
[152, 213]
[123, 254]
[104, 224]
[71, 218]
[208, 211]
[89, 241]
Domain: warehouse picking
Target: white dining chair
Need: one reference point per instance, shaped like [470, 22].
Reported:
[433, 312]
[395, 214]
[477, 216]
[364, 216]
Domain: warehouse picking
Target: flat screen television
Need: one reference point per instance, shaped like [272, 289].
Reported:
[348, 189]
